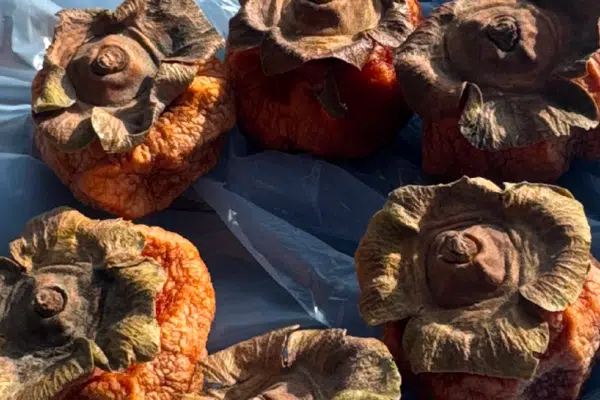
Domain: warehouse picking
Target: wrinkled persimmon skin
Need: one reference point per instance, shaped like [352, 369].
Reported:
[563, 368]
[183, 145]
[282, 112]
[185, 310]
[448, 155]
[416, 12]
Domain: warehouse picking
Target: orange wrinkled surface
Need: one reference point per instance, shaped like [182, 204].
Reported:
[564, 367]
[185, 310]
[282, 112]
[183, 145]
[416, 12]
[447, 154]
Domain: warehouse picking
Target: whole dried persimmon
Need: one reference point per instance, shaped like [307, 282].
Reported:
[101, 309]
[503, 89]
[303, 364]
[484, 292]
[131, 106]
[318, 76]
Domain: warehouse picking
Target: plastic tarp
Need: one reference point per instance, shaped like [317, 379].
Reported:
[280, 245]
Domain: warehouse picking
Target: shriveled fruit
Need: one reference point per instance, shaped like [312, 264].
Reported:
[501, 87]
[131, 106]
[101, 309]
[300, 364]
[484, 292]
[318, 76]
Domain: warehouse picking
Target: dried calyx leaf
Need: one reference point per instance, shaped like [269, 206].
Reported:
[504, 66]
[292, 32]
[303, 364]
[120, 70]
[79, 295]
[461, 261]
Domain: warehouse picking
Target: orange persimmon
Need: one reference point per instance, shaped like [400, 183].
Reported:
[102, 309]
[503, 88]
[129, 109]
[484, 292]
[318, 76]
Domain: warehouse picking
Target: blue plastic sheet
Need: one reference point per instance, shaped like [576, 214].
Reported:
[280, 245]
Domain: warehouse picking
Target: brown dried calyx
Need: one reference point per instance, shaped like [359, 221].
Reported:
[504, 66]
[504, 32]
[470, 265]
[109, 60]
[109, 75]
[49, 301]
[77, 295]
[292, 32]
[464, 263]
[301, 364]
